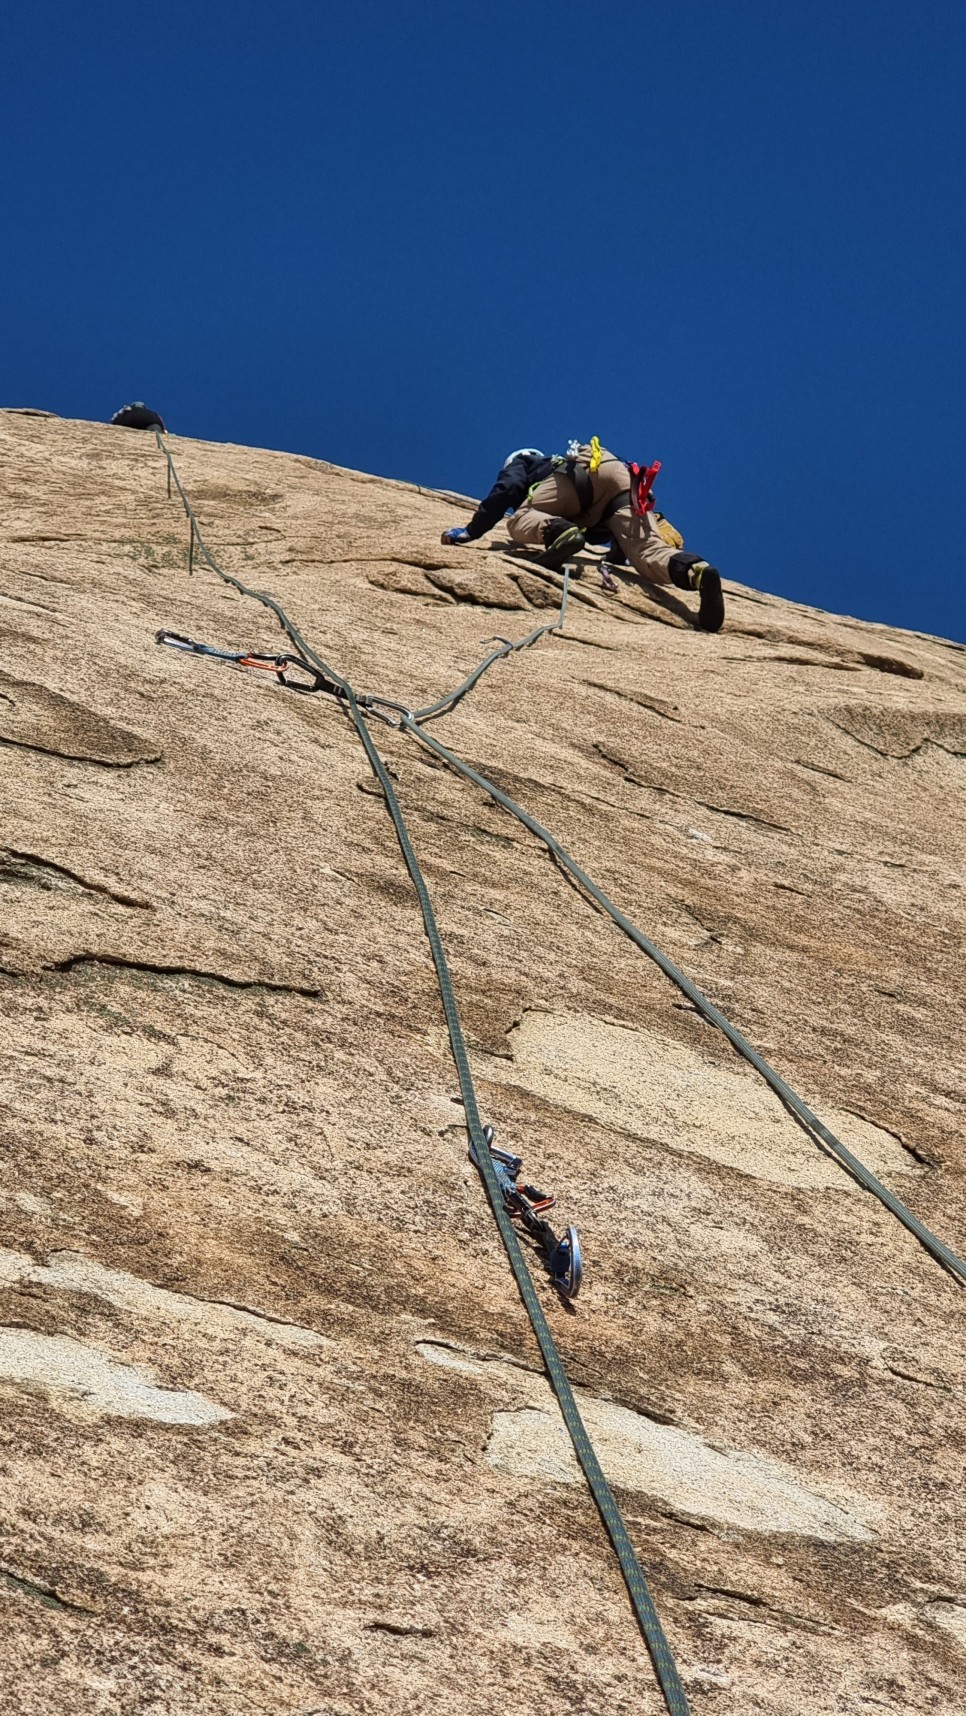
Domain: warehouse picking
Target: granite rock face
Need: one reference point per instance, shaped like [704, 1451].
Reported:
[275, 1434]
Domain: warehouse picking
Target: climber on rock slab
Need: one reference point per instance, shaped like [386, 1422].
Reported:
[559, 501]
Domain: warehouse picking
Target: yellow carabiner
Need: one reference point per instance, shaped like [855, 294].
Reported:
[595, 453]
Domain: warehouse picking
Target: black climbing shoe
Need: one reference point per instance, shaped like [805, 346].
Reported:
[567, 542]
[707, 580]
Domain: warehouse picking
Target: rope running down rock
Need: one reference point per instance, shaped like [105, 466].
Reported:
[410, 721]
[665, 1667]
[815, 1127]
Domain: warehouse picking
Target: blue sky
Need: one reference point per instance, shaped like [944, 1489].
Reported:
[411, 239]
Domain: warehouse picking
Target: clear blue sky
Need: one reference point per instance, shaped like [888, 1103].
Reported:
[411, 238]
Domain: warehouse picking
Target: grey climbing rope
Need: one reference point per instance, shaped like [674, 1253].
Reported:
[446, 704]
[409, 721]
[858, 1170]
[665, 1668]
[339, 684]
[664, 1665]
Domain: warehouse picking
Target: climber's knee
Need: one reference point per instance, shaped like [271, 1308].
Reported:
[553, 528]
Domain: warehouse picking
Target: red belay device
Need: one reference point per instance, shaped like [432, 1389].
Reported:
[562, 1256]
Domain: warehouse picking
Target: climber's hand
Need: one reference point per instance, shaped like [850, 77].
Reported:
[457, 534]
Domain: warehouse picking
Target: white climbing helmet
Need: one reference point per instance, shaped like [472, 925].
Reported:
[522, 452]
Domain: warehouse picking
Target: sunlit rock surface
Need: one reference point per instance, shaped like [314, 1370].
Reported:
[275, 1435]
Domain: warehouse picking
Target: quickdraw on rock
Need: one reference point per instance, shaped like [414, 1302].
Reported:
[562, 1256]
[280, 665]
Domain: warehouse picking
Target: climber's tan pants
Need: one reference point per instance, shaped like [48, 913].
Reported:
[556, 497]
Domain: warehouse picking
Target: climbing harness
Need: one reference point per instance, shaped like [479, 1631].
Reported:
[280, 665]
[580, 471]
[562, 1256]
[583, 483]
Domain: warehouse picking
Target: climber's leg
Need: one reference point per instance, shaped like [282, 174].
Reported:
[554, 500]
[655, 560]
[647, 552]
[689, 572]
